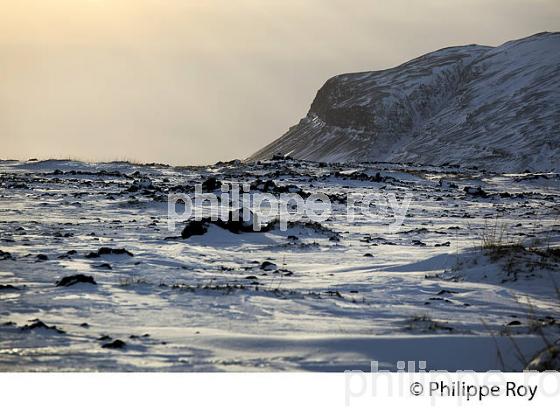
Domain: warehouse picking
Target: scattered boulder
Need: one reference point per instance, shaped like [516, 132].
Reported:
[268, 266]
[145, 335]
[38, 324]
[281, 157]
[309, 226]
[233, 162]
[194, 228]
[235, 223]
[108, 251]
[210, 185]
[115, 344]
[416, 231]
[74, 279]
[362, 176]
[334, 293]
[270, 186]
[141, 184]
[475, 191]
[5, 255]
[445, 291]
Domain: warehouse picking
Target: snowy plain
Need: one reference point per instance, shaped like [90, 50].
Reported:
[338, 297]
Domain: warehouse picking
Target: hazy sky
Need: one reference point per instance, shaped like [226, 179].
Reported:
[196, 81]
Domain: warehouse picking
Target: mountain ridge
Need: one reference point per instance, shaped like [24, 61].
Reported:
[494, 107]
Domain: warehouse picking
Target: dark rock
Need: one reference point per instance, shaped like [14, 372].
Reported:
[38, 324]
[235, 223]
[115, 344]
[445, 291]
[5, 255]
[194, 228]
[139, 337]
[268, 266]
[72, 280]
[417, 231]
[108, 251]
[210, 185]
[334, 293]
[281, 157]
[142, 183]
[475, 191]
[271, 187]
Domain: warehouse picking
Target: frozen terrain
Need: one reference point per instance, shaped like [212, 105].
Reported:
[495, 107]
[336, 298]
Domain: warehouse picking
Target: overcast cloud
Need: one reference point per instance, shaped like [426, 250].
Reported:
[193, 81]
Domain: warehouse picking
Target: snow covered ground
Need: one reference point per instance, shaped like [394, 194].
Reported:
[338, 298]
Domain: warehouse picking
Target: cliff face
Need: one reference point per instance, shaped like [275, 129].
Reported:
[495, 107]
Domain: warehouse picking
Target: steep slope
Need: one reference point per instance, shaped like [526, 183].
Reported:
[495, 107]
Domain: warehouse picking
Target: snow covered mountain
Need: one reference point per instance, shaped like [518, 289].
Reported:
[494, 107]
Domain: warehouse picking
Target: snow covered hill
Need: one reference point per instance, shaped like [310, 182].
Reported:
[493, 107]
